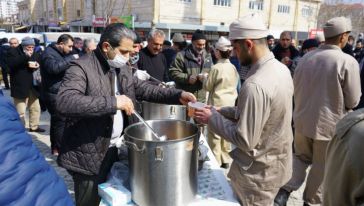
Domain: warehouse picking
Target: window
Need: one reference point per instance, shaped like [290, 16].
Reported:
[185, 1]
[256, 5]
[222, 2]
[78, 13]
[283, 9]
[306, 11]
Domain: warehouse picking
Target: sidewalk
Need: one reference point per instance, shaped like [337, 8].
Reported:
[42, 141]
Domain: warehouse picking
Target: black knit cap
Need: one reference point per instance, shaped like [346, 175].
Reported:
[309, 43]
[198, 35]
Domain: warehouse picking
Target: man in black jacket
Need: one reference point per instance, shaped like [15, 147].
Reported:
[151, 58]
[285, 52]
[23, 61]
[55, 61]
[97, 96]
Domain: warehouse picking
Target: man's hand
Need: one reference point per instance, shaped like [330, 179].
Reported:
[28, 53]
[124, 103]
[187, 97]
[286, 61]
[203, 115]
[202, 76]
[192, 79]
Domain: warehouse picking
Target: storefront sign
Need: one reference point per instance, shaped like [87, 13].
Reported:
[313, 33]
[98, 22]
[127, 20]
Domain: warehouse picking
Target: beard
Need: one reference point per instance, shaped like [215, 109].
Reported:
[197, 50]
[244, 57]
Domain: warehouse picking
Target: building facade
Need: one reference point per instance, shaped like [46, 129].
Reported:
[8, 10]
[211, 16]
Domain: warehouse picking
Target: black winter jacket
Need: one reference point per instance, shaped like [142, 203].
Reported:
[155, 65]
[86, 99]
[53, 66]
[20, 74]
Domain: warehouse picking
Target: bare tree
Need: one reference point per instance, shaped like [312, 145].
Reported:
[334, 8]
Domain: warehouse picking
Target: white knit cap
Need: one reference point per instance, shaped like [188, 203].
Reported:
[336, 26]
[223, 44]
[250, 26]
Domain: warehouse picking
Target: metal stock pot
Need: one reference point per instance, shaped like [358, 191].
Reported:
[163, 173]
[163, 111]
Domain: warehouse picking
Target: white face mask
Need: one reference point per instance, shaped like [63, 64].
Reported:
[118, 61]
[134, 59]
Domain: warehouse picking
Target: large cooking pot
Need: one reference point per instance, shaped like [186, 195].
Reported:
[163, 173]
[163, 111]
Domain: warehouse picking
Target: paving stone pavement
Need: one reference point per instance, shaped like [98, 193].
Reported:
[42, 141]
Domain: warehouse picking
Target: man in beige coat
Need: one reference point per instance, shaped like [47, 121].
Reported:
[260, 125]
[222, 85]
[344, 171]
[327, 86]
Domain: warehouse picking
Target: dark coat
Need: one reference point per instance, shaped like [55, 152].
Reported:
[348, 49]
[53, 66]
[25, 178]
[20, 74]
[278, 49]
[170, 55]
[184, 65]
[155, 65]
[3, 54]
[86, 99]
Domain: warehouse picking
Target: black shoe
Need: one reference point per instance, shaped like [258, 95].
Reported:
[282, 198]
[37, 130]
[305, 204]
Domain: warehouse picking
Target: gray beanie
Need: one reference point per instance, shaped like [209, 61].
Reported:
[26, 41]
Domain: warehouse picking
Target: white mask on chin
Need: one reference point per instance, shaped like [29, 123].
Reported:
[118, 61]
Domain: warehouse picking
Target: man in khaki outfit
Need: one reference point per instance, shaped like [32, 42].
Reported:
[260, 125]
[344, 173]
[222, 85]
[327, 86]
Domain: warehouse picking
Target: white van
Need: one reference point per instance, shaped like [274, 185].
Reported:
[51, 37]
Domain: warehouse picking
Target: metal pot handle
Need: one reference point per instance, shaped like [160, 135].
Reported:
[134, 146]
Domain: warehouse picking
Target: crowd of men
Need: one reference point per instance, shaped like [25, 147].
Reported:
[255, 88]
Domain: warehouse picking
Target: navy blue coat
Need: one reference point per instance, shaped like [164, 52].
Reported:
[25, 176]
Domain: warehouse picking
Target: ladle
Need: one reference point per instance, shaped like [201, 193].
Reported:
[160, 138]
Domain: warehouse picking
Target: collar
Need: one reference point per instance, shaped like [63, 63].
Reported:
[223, 61]
[148, 53]
[100, 56]
[53, 46]
[329, 46]
[260, 62]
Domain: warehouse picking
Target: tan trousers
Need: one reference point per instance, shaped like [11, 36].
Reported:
[308, 152]
[34, 110]
[251, 196]
[220, 148]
